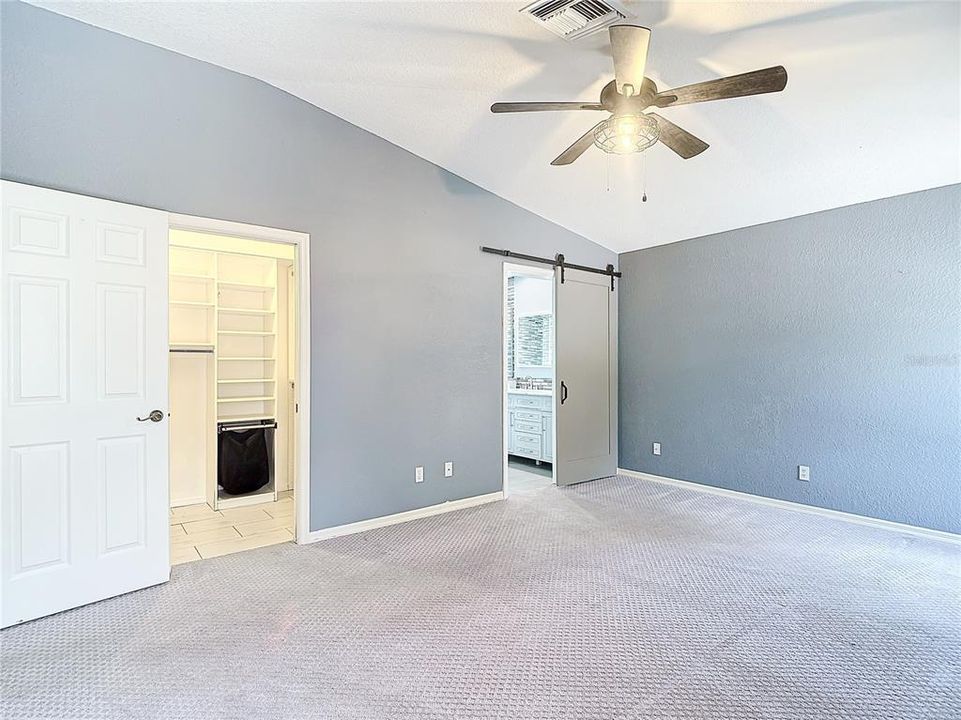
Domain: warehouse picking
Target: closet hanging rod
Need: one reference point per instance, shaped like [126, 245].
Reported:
[192, 350]
[263, 424]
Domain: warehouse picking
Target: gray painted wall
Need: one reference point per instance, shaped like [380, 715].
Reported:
[830, 340]
[405, 310]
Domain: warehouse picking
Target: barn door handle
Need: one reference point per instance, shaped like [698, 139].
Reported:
[154, 416]
[563, 392]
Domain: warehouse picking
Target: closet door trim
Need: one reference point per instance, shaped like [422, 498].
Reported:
[301, 344]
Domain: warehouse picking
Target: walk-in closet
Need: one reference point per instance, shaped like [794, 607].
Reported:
[233, 330]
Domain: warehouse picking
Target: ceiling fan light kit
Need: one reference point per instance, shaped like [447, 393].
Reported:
[630, 128]
[625, 134]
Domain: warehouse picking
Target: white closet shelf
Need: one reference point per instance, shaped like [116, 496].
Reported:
[249, 358]
[245, 311]
[191, 303]
[225, 502]
[190, 276]
[246, 380]
[241, 418]
[191, 346]
[246, 286]
[258, 398]
[262, 333]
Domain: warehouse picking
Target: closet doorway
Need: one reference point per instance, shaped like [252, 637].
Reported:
[235, 421]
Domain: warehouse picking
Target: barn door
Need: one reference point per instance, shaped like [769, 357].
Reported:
[83, 432]
[585, 396]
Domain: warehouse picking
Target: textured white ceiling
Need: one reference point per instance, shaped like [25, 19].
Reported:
[871, 108]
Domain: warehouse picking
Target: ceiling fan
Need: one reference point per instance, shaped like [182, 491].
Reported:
[629, 128]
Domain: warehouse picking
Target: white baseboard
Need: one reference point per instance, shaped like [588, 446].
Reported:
[182, 502]
[401, 517]
[926, 533]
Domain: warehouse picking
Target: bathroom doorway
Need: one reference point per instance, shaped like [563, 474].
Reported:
[528, 361]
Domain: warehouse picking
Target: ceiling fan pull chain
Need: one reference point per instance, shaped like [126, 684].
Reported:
[644, 178]
[608, 173]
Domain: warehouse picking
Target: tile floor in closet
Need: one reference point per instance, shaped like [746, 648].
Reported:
[199, 532]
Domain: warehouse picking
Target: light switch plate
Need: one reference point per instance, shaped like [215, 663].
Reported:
[803, 473]
[657, 448]
[448, 469]
[419, 473]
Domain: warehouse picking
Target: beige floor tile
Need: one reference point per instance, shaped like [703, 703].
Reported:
[207, 536]
[246, 514]
[280, 511]
[188, 513]
[262, 526]
[183, 554]
[226, 547]
[177, 531]
[199, 526]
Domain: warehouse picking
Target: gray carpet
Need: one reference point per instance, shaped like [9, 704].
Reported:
[611, 600]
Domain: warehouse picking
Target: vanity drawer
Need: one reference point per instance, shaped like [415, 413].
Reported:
[527, 444]
[537, 402]
[527, 426]
[527, 416]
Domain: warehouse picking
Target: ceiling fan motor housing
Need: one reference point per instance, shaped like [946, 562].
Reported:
[619, 104]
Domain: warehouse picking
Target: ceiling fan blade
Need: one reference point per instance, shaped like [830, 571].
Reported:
[758, 82]
[678, 139]
[507, 107]
[629, 45]
[577, 149]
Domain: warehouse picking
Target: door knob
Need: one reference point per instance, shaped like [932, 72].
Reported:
[154, 416]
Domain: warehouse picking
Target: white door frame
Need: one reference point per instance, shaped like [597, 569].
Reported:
[301, 241]
[532, 271]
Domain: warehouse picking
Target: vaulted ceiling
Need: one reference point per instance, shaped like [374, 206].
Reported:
[871, 108]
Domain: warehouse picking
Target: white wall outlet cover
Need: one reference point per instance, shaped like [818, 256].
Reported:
[803, 473]
[419, 473]
[448, 469]
[656, 449]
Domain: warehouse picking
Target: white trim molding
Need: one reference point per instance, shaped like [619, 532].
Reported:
[401, 517]
[890, 525]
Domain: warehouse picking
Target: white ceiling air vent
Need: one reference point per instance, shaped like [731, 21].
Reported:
[572, 19]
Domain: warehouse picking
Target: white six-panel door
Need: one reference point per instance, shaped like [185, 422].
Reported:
[585, 394]
[84, 330]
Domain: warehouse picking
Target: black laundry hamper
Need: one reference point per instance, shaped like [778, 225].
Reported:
[245, 456]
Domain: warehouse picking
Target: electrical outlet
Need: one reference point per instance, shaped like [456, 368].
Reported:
[448, 469]
[656, 449]
[803, 473]
[419, 474]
